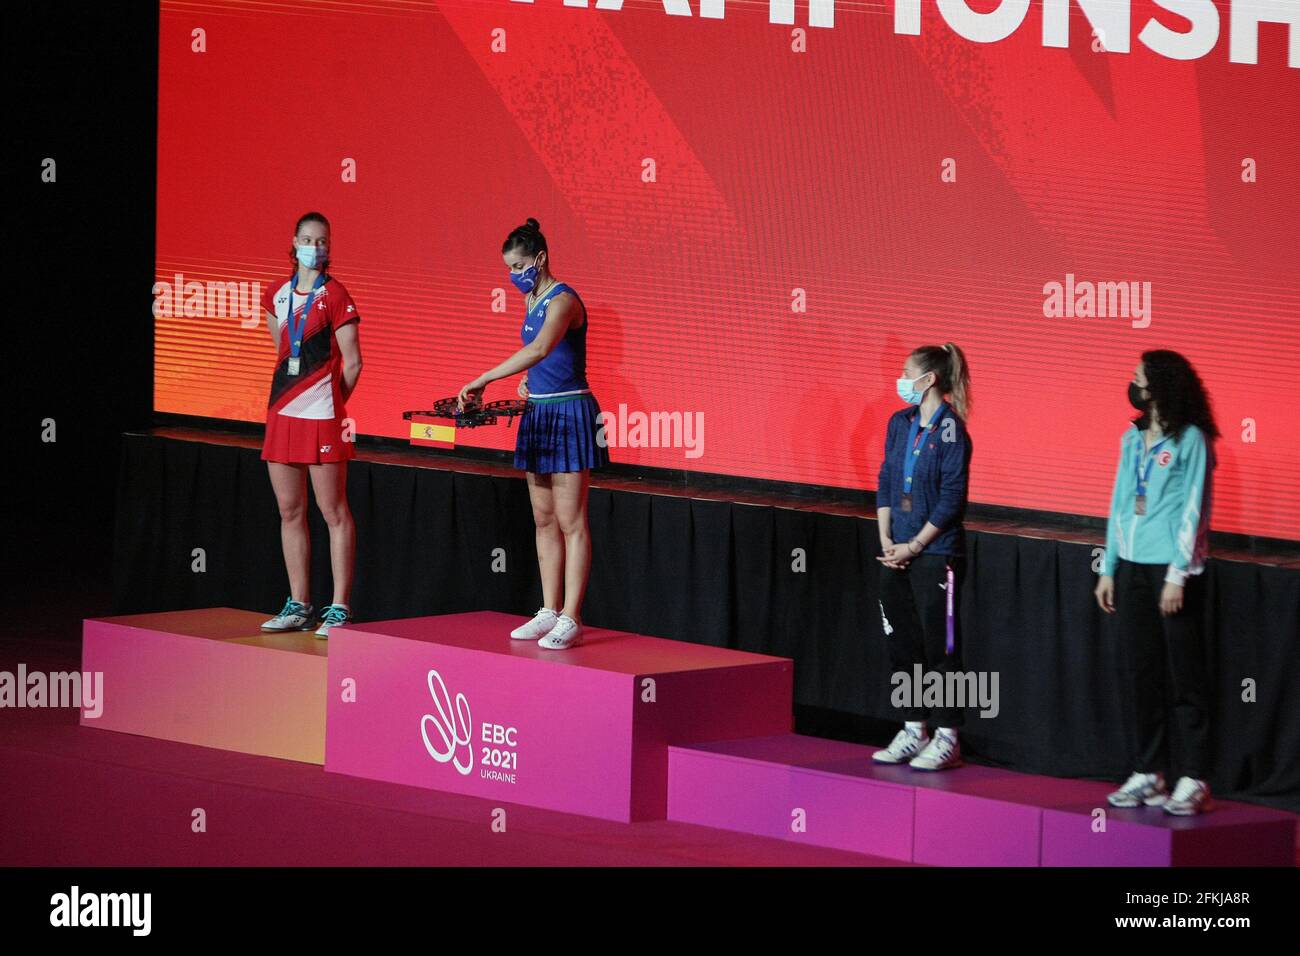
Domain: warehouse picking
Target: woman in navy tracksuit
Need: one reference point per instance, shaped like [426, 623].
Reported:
[920, 501]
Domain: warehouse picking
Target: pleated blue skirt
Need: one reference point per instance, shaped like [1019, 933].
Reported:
[560, 435]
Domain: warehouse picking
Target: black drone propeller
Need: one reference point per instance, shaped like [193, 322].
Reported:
[473, 415]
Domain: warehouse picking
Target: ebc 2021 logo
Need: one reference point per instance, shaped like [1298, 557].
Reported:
[451, 738]
[452, 726]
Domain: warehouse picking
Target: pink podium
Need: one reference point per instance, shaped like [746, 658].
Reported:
[452, 703]
[625, 728]
[833, 794]
[210, 677]
[1233, 834]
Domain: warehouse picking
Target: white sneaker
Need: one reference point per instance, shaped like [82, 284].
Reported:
[566, 633]
[943, 752]
[1189, 798]
[1140, 789]
[906, 744]
[294, 616]
[541, 623]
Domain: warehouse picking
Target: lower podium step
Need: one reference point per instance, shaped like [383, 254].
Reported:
[1232, 834]
[832, 794]
[452, 703]
[210, 677]
[804, 789]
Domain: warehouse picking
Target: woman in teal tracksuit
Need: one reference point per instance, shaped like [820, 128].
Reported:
[1156, 546]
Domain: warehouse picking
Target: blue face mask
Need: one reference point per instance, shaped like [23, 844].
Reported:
[311, 257]
[526, 280]
[907, 389]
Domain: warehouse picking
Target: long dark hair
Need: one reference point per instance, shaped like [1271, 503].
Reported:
[1178, 394]
[952, 375]
[528, 238]
[306, 218]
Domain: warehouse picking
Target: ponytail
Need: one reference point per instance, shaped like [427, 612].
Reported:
[952, 376]
[958, 380]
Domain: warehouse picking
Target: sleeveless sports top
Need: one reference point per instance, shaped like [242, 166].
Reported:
[565, 369]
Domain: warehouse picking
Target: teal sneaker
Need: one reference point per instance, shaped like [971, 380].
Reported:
[335, 614]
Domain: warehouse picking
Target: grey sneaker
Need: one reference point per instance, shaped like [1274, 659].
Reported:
[1140, 789]
[294, 616]
[1189, 798]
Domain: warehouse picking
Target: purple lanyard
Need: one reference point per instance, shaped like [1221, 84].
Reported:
[951, 590]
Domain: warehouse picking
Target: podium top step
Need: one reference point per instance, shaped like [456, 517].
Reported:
[602, 649]
[226, 624]
[485, 631]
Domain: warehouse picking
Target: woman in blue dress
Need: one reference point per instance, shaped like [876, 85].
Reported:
[560, 437]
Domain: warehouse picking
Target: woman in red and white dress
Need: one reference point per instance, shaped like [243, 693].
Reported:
[313, 321]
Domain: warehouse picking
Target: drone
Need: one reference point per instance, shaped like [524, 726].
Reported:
[473, 415]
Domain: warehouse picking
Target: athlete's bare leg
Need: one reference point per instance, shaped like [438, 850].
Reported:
[570, 496]
[290, 485]
[330, 482]
[550, 540]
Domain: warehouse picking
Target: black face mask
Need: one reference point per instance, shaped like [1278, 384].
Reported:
[1135, 397]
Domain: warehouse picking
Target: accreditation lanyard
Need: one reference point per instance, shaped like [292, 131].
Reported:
[296, 328]
[1143, 475]
[950, 615]
[915, 444]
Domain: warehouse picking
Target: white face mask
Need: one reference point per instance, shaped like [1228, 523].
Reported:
[311, 257]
